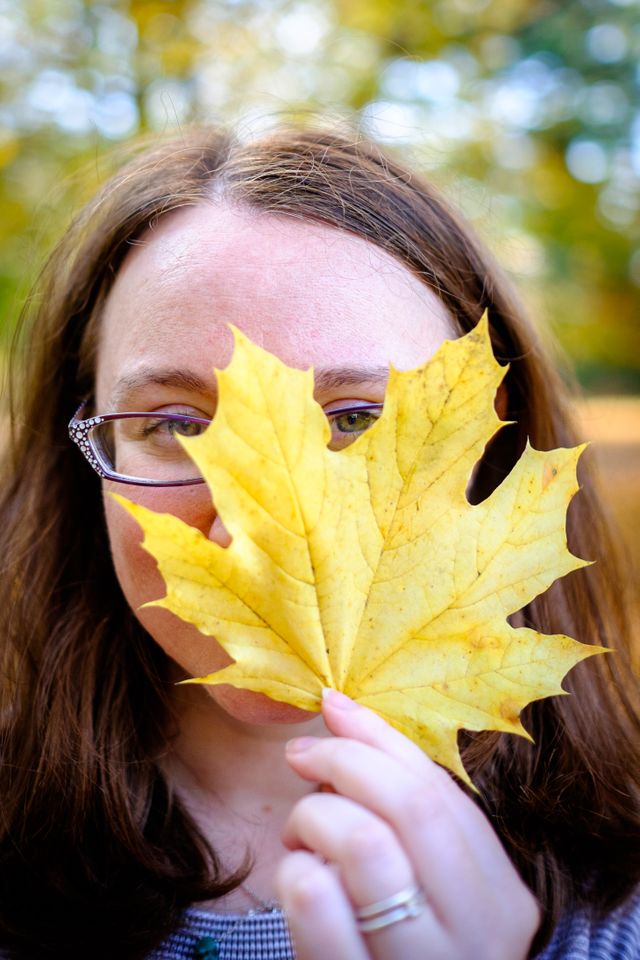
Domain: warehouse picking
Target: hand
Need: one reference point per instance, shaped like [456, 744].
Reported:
[395, 820]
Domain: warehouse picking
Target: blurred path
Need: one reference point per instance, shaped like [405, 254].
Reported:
[613, 426]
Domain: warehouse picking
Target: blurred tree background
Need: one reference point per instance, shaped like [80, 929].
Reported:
[526, 112]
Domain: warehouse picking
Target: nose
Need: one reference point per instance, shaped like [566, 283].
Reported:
[219, 533]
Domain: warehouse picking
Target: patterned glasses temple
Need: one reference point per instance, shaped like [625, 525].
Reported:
[80, 433]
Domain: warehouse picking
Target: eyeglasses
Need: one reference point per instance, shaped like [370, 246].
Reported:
[142, 448]
[138, 448]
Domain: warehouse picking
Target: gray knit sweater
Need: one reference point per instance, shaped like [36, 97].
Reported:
[264, 937]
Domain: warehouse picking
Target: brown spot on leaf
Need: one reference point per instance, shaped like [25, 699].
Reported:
[510, 710]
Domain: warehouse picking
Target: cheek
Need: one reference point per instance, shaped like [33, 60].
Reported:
[135, 568]
[195, 654]
[141, 581]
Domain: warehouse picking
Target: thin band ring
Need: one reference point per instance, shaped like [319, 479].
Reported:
[405, 905]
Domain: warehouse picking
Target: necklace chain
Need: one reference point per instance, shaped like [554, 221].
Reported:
[266, 906]
[209, 948]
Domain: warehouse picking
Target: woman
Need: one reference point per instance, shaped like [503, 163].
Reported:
[127, 800]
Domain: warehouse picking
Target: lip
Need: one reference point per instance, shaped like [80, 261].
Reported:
[258, 709]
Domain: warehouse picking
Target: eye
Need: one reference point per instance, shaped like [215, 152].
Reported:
[160, 431]
[185, 428]
[348, 423]
[170, 422]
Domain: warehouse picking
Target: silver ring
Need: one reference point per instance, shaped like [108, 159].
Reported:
[405, 905]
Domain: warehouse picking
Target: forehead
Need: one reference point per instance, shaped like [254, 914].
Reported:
[311, 294]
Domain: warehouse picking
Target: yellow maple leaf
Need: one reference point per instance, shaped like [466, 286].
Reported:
[367, 569]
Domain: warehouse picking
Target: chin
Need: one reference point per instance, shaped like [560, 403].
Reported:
[191, 654]
[247, 706]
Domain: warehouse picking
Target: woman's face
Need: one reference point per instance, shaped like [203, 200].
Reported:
[312, 295]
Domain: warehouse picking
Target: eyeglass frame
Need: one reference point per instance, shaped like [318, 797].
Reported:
[79, 431]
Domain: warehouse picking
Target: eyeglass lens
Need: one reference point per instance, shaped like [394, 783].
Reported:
[146, 448]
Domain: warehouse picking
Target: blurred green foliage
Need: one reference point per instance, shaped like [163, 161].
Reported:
[524, 111]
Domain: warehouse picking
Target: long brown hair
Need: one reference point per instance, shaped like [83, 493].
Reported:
[95, 851]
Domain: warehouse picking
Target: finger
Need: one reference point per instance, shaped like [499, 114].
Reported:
[346, 718]
[402, 805]
[373, 776]
[373, 865]
[319, 914]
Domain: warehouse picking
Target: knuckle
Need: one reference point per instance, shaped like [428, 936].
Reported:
[421, 805]
[305, 803]
[341, 755]
[306, 818]
[304, 891]
[308, 807]
[368, 843]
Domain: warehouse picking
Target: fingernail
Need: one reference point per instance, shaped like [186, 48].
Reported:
[337, 699]
[300, 744]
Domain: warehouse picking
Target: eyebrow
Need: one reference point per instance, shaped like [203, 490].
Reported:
[164, 377]
[328, 378]
[325, 378]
